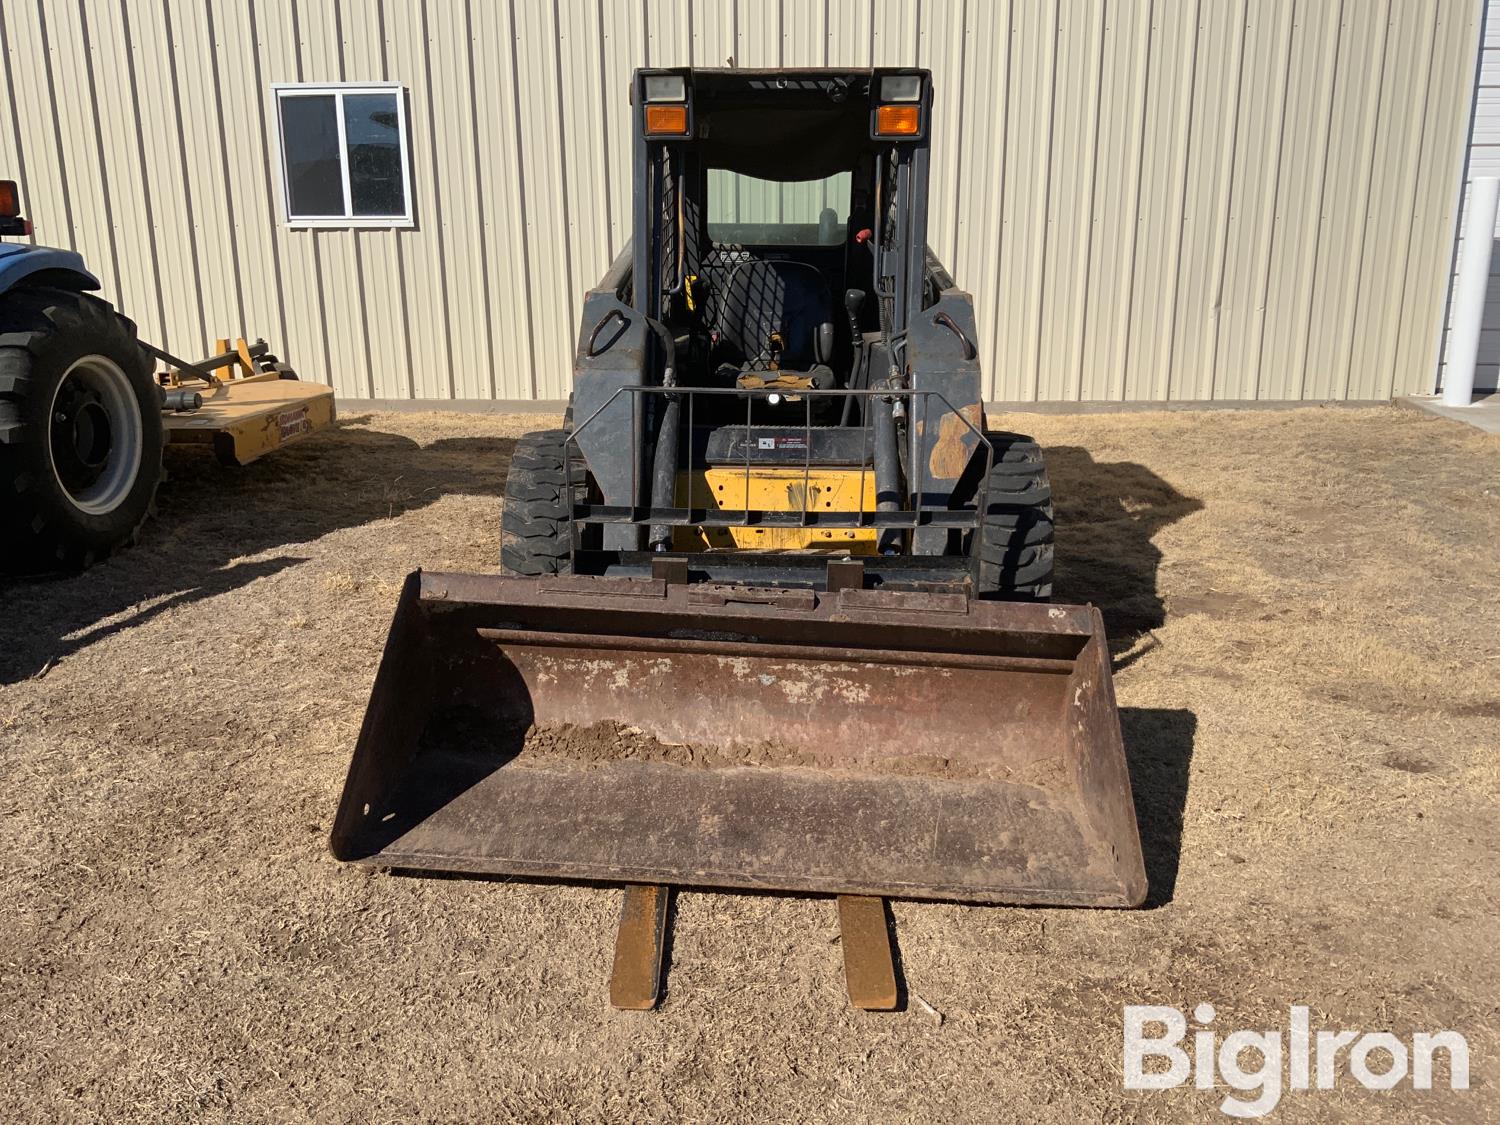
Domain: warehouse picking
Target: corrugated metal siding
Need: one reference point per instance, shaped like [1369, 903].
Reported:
[1484, 160]
[1150, 199]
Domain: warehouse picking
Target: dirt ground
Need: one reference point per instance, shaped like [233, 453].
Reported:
[1303, 610]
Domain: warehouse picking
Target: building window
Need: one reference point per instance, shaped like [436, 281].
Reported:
[345, 158]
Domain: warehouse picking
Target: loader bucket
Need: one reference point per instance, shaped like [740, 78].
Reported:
[918, 745]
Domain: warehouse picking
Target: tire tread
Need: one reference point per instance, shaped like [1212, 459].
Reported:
[536, 535]
[1017, 527]
[35, 322]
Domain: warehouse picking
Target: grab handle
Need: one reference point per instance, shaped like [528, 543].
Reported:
[613, 314]
[951, 325]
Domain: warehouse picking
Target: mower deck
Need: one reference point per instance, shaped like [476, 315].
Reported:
[243, 419]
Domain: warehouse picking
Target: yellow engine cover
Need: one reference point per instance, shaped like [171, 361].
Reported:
[776, 489]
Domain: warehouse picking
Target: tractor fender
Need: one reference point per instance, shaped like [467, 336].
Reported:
[22, 262]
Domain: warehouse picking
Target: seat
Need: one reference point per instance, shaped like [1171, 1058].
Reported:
[775, 314]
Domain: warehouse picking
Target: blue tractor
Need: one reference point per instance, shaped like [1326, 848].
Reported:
[84, 417]
[80, 412]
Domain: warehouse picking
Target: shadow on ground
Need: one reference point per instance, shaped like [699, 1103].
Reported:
[1159, 753]
[1108, 513]
[209, 515]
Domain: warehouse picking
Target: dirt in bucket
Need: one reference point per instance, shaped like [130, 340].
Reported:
[468, 732]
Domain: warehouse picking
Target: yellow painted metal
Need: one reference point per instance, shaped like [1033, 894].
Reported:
[246, 412]
[776, 489]
[243, 419]
[244, 369]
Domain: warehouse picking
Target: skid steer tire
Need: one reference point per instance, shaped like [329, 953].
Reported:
[80, 431]
[1015, 548]
[536, 535]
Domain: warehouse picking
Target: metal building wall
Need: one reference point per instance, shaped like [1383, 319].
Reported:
[1484, 160]
[1150, 199]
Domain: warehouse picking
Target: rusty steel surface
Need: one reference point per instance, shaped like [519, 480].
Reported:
[920, 745]
[869, 968]
[635, 981]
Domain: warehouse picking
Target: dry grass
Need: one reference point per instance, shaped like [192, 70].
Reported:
[1303, 611]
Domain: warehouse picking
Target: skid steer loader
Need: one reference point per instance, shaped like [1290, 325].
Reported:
[773, 605]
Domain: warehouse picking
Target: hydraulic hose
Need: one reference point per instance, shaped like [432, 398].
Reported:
[887, 471]
[664, 471]
[664, 456]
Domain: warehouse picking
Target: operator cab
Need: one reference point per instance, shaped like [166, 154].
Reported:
[776, 362]
[760, 191]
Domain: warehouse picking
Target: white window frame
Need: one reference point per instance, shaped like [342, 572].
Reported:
[340, 90]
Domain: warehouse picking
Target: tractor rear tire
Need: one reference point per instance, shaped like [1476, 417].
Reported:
[536, 533]
[80, 431]
[1015, 547]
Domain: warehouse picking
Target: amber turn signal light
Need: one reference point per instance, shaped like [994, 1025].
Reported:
[898, 120]
[666, 120]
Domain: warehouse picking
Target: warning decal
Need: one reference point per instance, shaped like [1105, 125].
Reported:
[290, 423]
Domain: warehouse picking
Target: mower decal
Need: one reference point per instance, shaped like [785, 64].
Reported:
[291, 423]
